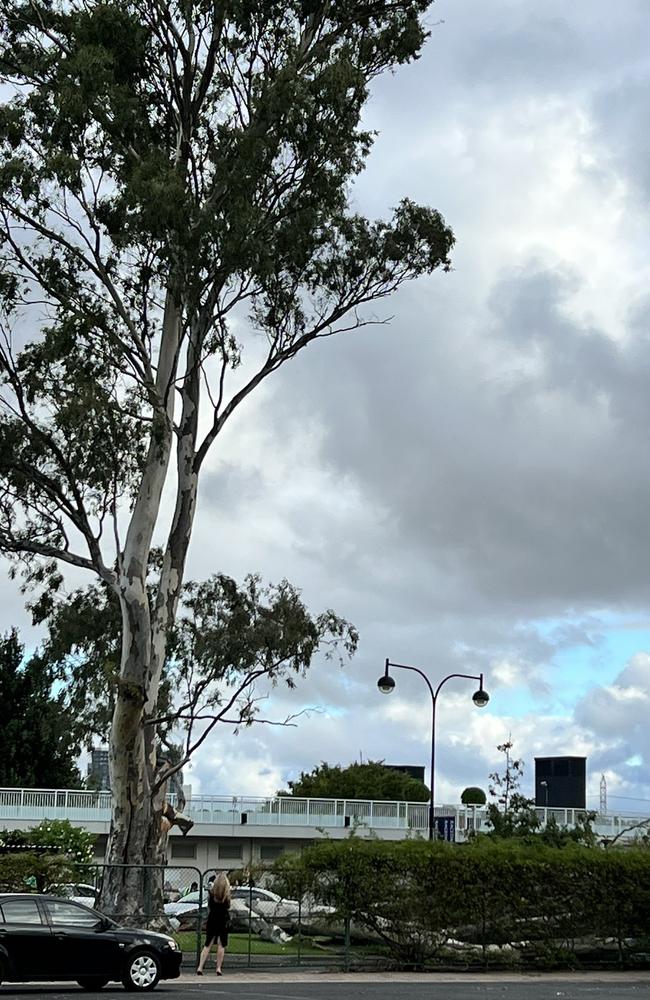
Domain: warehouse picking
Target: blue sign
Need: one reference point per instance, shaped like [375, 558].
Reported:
[445, 827]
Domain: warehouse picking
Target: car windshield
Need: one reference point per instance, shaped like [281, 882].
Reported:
[70, 889]
[192, 897]
[86, 890]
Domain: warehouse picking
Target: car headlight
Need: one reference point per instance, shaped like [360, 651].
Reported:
[171, 944]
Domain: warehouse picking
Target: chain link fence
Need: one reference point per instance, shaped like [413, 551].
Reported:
[266, 930]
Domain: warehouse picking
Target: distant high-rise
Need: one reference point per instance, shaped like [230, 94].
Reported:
[560, 782]
[98, 774]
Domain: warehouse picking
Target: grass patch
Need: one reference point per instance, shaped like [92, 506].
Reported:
[238, 945]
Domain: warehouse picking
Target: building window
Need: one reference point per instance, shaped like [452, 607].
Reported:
[230, 852]
[183, 849]
[271, 852]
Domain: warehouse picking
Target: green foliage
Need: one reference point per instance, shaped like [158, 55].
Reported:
[225, 637]
[56, 835]
[511, 814]
[560, 836]
[473, 796]
[39, 736]
[50, 854]
[522, 821]
[178, 153]
[518, 820]
[487, 902]
[504, 785]
[358, 781]
[82, 650]
[27, 871]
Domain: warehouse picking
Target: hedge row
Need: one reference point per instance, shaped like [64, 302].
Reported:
[485, 902]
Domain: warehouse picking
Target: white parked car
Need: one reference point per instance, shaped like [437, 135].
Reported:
[268, 904]
[189, 900]
[79, 892]
[185, 908]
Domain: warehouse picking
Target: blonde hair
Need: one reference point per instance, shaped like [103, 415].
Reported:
[221, 889]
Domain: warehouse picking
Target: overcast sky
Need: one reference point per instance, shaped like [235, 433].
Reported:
[470, 484]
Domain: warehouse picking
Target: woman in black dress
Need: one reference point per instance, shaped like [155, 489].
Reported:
[218, 921]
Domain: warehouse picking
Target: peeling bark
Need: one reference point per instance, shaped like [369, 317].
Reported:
[135, 837]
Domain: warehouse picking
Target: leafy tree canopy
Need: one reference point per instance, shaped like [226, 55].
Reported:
[40, 736]
[174, 183]
[371, 780]
[227, 641]
[47, 856]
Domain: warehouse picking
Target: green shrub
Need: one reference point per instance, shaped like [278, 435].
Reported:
[488, 901]
[26, 872]
[473, 796]
[50, 854]
[56, 835]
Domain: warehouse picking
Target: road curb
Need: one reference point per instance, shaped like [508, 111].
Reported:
[209, 978]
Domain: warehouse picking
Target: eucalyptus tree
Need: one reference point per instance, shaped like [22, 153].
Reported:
[174, 188]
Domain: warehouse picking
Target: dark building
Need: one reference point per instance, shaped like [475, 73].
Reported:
[98, 775]
[561, 782]
[413, 770]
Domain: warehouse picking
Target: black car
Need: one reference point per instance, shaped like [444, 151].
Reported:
[48, 938]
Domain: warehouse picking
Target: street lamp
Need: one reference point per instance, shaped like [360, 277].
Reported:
[386, 684]
[544, 785]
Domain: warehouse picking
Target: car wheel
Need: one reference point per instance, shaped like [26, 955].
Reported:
[141, 972]
[92, 982]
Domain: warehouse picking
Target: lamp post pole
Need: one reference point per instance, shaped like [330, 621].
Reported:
[480, 698]
[544, 785]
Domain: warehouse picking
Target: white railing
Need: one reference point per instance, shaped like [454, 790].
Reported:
[292, 811]
[281, 811]
[32, 805]
[36, 804]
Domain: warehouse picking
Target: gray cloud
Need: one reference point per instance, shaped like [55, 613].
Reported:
[619, 711]
[621, 119]
[523, 480]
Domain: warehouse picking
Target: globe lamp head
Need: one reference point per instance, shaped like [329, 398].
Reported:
[386, 684]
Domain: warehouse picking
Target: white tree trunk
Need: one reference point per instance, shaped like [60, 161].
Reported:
[128, 889]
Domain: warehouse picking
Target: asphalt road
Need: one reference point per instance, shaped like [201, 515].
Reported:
[373, 987]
